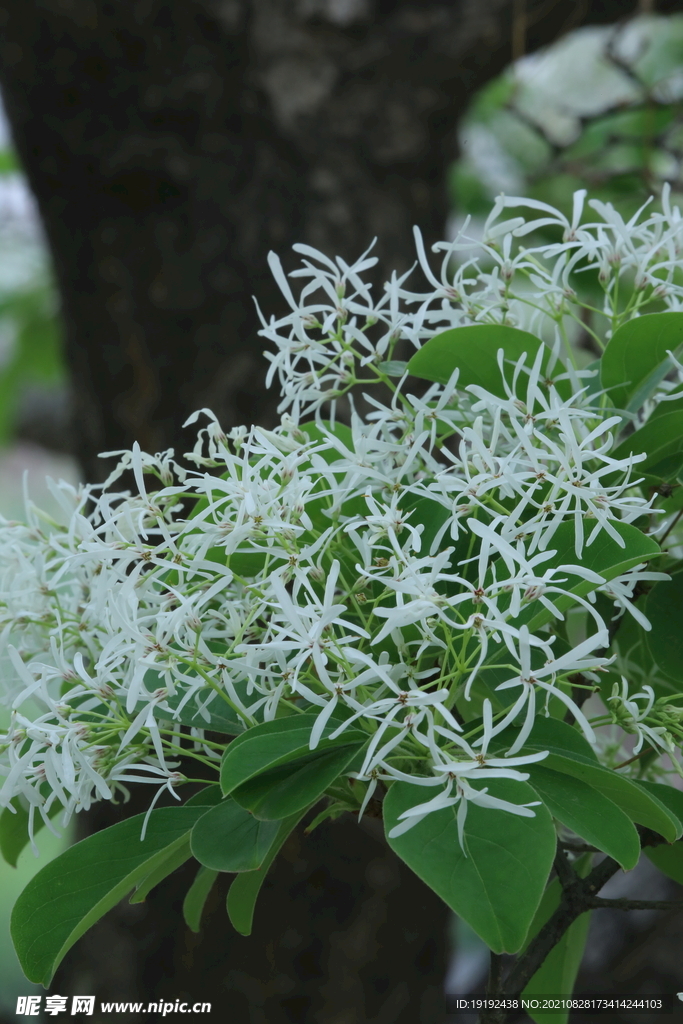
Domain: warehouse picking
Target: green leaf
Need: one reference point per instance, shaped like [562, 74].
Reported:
[661, 439]
[8, 162]
[431, 515]
[264, 746]
[589, 813]
[497, 882]
[603, 556]
[338, 430]
[196, 897]
[474, 349]
[664, 609]
[217, 717]
[636, 802]
[228, 838]
[635, 358]
[557, 974]
[550, 734]
[670, 796]
[77, 888]
[299, 783]
[209, 796]
[244, 890]
[175, 859]
[669, 860]
[14, 829]
[283, 741]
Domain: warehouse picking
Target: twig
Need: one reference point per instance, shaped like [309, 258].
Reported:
[597, 903]
[576, 899]
[670, 527]
[565, 871]
[494, 988]
[636, 757]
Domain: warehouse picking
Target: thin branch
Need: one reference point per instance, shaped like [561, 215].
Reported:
[597, 903]
[565, 872]
[670, 527]
[494, 988]
[636, 757]
[576, 899]
[518, 29]
[578, 896]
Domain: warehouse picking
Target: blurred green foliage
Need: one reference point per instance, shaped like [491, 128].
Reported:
[30, 315]
[30, 339]
[8, 162]
[613, 123]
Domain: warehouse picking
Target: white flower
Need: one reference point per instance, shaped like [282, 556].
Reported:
[302, 581]
[632, 717]
[530, 680]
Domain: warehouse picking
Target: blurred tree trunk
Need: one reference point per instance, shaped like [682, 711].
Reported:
[170, 144]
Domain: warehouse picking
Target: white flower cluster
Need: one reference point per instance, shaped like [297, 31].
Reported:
[377, 574]
[337, 325]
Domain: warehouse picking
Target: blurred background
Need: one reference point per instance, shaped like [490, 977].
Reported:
[148, 161]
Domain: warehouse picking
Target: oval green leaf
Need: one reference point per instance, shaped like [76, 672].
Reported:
[244, 891]
[640, 805]
[474, 349]
[229, 838]
[661, 439]
[77, 888]
[664, 609]
[497, 885]
[272, 744]
[289, 788]
[635, 358]
[589, 813]
[196, 897]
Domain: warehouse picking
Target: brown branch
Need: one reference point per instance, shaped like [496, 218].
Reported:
[636, 757]
[670, 527]
[518, 28]
[565, 871]
[494, 988]
[597, 903]
[577, 897]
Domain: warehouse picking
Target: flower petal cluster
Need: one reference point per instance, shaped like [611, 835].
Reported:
[384, 572]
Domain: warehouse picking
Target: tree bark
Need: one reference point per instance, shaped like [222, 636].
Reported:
[170, 144]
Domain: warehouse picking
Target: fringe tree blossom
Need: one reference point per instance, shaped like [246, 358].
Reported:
[383, 575]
